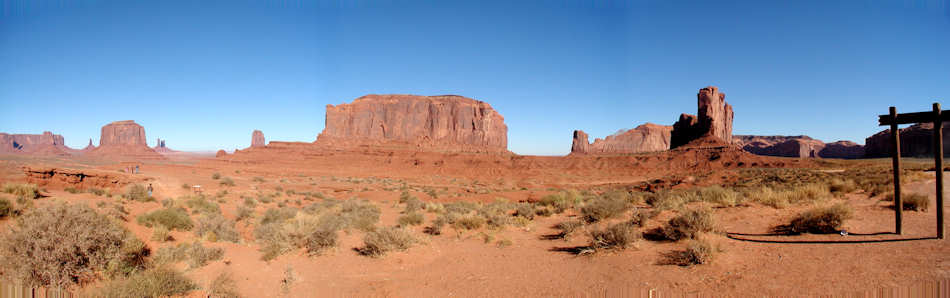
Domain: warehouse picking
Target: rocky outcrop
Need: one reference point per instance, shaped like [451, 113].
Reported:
[798, 146]
[714, 119]
[644, 138]
[221, 153]
[916, 141]
[161, 148]
[41, 144]
[439, 123]
[89, 147]
[257, 139]
[80, 179]
[124, 140]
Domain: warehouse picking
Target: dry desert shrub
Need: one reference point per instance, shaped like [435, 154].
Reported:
[915, 201]
[138, 193]
[6, 208]
[195, 254]
[718, 195]
[227, 181]
[383, 240]
[216, 176]
[410, 219]
[697, 252]
[62, 245]
[171, 218]
[561, 201]
[688, 224]
[200, 204]
[161, 234]
[22, 190]
[214, 227]
[605, 207]
[468, 222]
[223, 286]
[155, 282]
[244, 213]
[616, 236]
[566, 228]
[819, 220]
[320, 240]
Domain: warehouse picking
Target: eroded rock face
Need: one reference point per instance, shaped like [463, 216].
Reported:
[916, 141]
[81, 179]
[714, 119]
[124, 140]
[842, 149]
[448, 122]
[41, 144]
[644, 138]
[125, 132]
[221, 153]
[257, 139]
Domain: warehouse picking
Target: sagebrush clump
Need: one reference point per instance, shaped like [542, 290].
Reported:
[689, 224]
[384, 240]
[616, 236]
[819, 220]
[172, 218]
[61, 245]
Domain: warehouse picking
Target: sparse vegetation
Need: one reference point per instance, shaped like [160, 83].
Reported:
[138, 193]
[243, 213]
[819, 220]
[214, 227]
[216, 176]
[227, 181]
[381, 241]
[697, 252]
[161, 234]
[320, 241]
[172, 218]
[156, 282]
[36, 253]
[915, 201]
[195, 254]
[6, 208]
[568, 227]
[689, 224]
[201, 204]
[410, 219]
[223, 286]
[22, 191]
[604, 207]
[616, 236]
[468, 222]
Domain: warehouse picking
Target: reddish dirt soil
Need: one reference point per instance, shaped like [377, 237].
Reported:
[462, 264]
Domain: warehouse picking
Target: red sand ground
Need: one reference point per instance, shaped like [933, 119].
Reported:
[455, 264]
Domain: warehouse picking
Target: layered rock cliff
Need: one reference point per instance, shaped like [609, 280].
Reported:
[714, 119]
[648, 137]
[257, 139]
[445, 123]
[916, 141]
[41, 144]
[124, 140]
[798, 146]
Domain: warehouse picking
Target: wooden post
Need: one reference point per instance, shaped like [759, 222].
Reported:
[938, 166]
[898, 203]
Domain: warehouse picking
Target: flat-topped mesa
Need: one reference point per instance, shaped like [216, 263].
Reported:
[124, 139]
[798, 146]
[647, 137]
[916, 141]
[714, 119]
[38, 144]
[257, 139]
[438, 123]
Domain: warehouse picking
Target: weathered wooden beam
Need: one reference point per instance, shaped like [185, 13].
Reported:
[898, 203]
[911, 118]
[938, 167]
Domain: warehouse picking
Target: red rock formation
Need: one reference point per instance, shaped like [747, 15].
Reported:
[715, 119]
[89, 147]
[161, 148]
[124, 139]
[842, 149]
[798, 146]
[441, 123]
[221, 153]
[644, 138]
[81, 179]
[916, 141]
[43, 144]
[257, 139]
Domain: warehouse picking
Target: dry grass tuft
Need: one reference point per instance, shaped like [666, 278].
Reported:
[689, 224]
[156, 282]
[697, 252]
[819, 220]
[170, 218]
[378, 243]
[616, 236]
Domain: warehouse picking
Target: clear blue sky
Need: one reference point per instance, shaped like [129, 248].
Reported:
[203, 76]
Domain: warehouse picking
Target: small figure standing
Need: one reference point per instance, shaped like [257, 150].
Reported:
[136, 169]
[149, 189]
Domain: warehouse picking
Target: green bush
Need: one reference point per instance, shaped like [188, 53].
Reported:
[156, 282]
[60, 245]
[616, 236]
[381, 241]
[214, 227]
[170, 218]
[689, 224]
[820, 220]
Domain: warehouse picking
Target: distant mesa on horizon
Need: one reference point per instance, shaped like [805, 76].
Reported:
[431, 123]
[46, 144]
[257, 139]
[124, 139]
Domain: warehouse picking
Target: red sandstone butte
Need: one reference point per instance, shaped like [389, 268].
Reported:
[714, 119]
[124, 139]
[438, 123]
[257, 139]
[798, 146]
[647, 137]
[42, 144]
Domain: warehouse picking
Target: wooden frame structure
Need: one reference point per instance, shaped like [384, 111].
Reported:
[937, 116]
